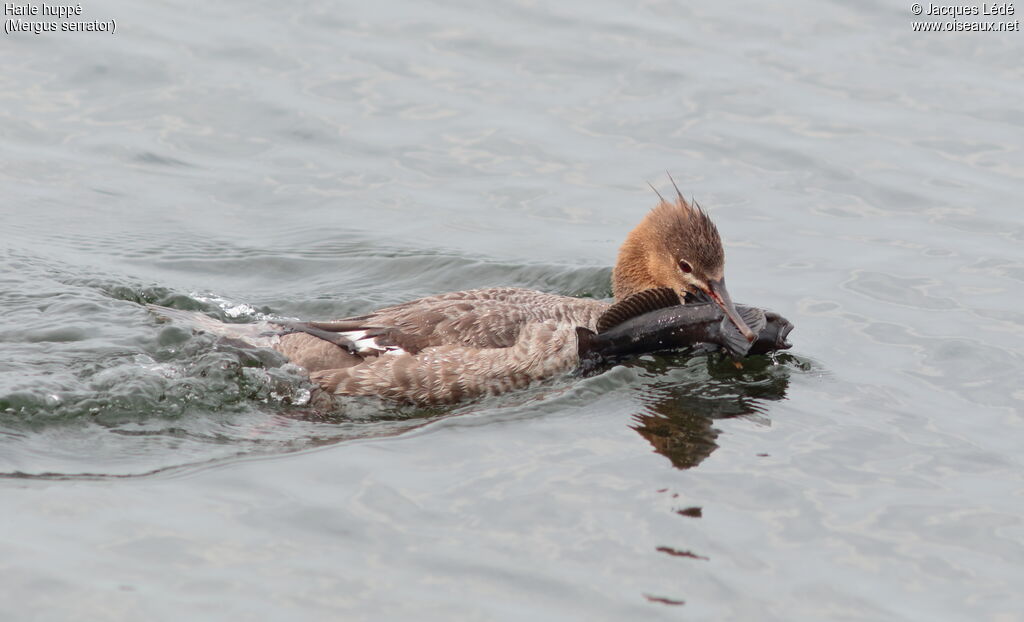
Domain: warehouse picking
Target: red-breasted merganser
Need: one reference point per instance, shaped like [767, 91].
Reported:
[449, 347]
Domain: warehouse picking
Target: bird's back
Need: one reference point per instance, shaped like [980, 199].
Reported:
[446, 348]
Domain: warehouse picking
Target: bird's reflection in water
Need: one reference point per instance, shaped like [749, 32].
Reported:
[690, 393]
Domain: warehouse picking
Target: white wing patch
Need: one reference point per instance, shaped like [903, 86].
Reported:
[368, 345]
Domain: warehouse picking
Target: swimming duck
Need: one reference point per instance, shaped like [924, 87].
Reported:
[449, 347]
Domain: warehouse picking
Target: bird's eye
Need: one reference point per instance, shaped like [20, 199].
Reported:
[685, 266]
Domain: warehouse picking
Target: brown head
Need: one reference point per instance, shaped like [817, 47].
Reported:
[676, 245]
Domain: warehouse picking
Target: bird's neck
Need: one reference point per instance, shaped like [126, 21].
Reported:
[632, 271]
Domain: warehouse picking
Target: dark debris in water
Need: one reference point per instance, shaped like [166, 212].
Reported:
[692, 512]
[668, 550]
[664, 600]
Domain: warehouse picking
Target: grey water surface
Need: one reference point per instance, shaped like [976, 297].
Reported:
[316, 160]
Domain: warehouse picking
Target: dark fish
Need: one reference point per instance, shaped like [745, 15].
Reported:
[638, 304]
[654, 320]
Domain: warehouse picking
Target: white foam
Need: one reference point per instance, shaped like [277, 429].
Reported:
[231, 308]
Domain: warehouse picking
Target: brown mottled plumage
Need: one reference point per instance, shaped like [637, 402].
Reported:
[460, 345]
